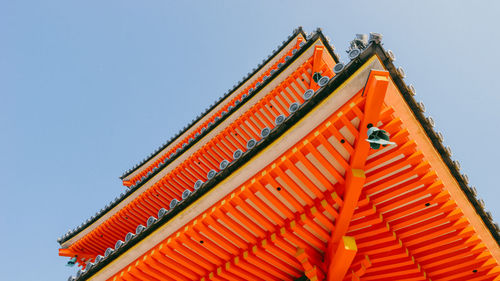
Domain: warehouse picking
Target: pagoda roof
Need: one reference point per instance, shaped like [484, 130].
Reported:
[417, 109]
[224, 98]
[190, 134]
[311, 38]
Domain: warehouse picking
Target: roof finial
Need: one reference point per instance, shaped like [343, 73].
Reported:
[360, 42]
[375, 37]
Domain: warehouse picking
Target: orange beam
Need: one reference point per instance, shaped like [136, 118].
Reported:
[355, 179]
[316, 65]
[375, 91]
[299, 40]
[345, 253]
[69, 253]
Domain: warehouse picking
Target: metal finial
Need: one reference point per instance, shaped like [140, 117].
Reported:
[375, 37]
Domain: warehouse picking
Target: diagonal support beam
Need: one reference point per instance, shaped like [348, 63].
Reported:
[344, 255]
[355, 179]
[375, 91]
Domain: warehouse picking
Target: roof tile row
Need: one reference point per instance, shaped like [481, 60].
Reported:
[175, 202]
[296, 32]
[162, 164]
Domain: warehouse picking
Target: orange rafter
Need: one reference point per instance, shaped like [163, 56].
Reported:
[367, 237]
[68, 253]
[418, 240]
[81, 258]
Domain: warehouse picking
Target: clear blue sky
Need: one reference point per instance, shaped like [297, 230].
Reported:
[88, 88]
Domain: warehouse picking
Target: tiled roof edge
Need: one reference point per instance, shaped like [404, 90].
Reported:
[70, 234]
[295, 33]
[407, 91]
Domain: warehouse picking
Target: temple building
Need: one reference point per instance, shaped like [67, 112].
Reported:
[308, 169]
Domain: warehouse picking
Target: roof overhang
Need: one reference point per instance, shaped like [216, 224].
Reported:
[329, 99]
[250, 164]
[244, 83]
[114, 207]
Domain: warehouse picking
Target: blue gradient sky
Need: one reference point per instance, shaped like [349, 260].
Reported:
[88, 88]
